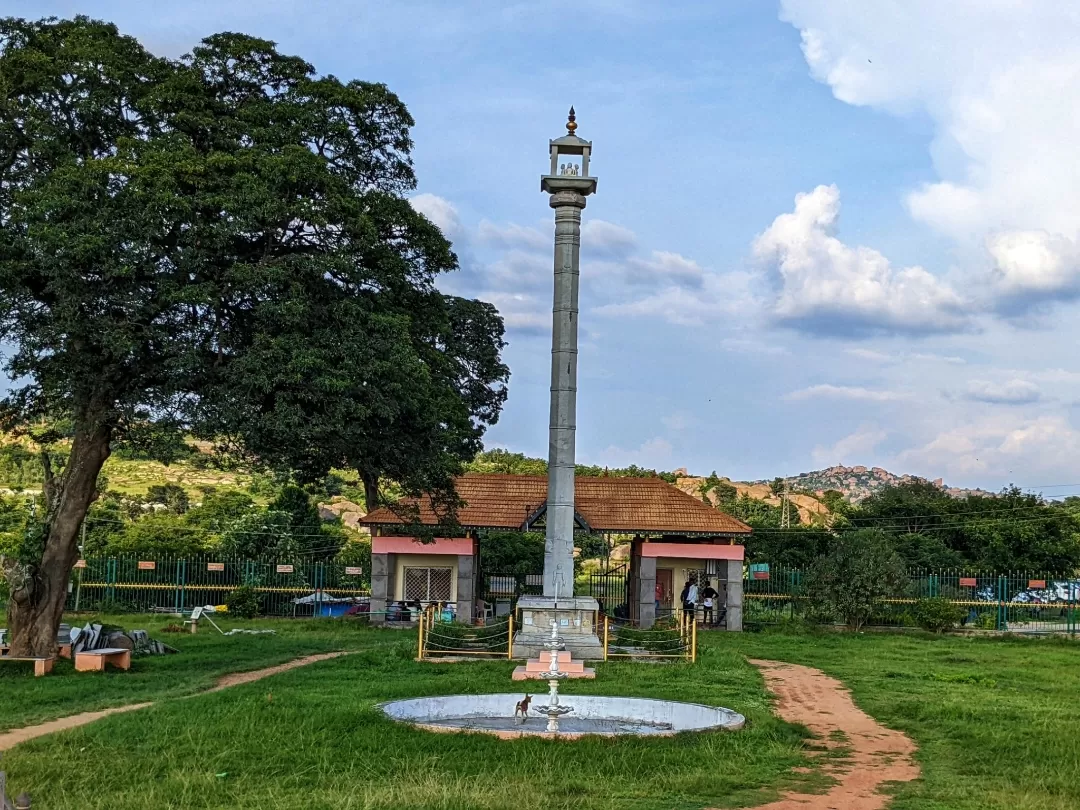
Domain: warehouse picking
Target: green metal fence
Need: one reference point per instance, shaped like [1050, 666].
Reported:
[1015, 601]
[179, 584]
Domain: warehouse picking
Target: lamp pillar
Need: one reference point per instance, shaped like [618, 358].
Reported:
[575, 617]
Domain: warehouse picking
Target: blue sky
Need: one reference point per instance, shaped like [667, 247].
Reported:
[914, 308]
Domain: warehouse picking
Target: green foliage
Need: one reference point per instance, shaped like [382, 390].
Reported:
[1009, 531]
[244, 602]
[937, 614]
[157, 535]
[507, 463]
[591, 546]
[220, 508]
[797, 547]
[859, 569]
[518, 553]
[174, 498]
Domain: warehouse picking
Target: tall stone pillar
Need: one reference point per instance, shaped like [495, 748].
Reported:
[568, 183]
[559, 535]
[734, 595]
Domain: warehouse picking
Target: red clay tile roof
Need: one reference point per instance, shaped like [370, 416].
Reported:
[605, 504]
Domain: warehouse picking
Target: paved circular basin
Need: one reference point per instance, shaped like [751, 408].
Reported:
[592, 714]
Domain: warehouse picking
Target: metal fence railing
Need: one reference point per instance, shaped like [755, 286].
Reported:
[673, 637]
[285, 587]
[440, 637]
[1016, 601]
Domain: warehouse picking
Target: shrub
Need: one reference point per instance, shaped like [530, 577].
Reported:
[245, 602]
[937, 614]
[860, 569]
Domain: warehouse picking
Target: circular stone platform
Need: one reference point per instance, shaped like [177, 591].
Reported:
[593, 714]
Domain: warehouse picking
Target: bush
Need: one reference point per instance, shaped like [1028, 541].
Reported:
[937, 614]
[245, 602]
[860, 569]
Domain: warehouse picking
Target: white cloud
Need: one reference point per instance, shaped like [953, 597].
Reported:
[827, 391]
[440, 211]
[719, 295]
[655, 453]
[679, 420]
[998, 79]
[664, 266]
[748, 346]
[851, 449]
[512, 236]
[520, 311]
[1013, 392]
[1046, 446]
[826, 286]
[899, 357]
[607, 237]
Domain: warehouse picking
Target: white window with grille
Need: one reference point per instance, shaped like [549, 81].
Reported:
[428, 584]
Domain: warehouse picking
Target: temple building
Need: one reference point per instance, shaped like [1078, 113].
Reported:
[673, 536]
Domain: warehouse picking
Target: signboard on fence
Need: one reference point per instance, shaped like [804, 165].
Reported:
[1036, 583]
[967, 582]
[759, 571]
[80, 563]
[215, 566]
[284, 569]
[354, 570]
[147, 565]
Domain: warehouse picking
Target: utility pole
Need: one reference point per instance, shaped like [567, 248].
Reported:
[785, 506]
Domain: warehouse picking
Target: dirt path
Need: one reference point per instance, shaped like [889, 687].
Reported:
[822, 704]
[9, 739]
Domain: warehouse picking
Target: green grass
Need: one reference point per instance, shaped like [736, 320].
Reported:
[996, 720]
[205, 657]
[321, 742]
[997, 723]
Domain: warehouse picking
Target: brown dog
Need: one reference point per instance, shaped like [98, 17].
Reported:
[522, 708]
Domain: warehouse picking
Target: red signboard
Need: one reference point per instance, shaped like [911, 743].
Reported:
[147, 565]
[284, 569]
[967, 582]
[1036, 583]
[761, 575]
[80, 563]
[353, 570]
[215, 566]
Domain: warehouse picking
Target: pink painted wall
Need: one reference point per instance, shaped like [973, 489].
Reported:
[410, 545]
[693, 551]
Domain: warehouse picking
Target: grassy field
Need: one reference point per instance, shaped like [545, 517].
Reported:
[205, 657]
[314, 738]
[996, 721]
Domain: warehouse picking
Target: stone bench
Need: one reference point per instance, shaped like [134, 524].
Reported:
[95, 660]
[42, 666]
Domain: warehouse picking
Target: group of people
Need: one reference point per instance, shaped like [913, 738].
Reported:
[707, 595]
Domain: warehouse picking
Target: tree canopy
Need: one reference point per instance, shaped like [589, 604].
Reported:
[216, 244]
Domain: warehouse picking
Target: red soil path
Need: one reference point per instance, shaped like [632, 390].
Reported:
[877, 755]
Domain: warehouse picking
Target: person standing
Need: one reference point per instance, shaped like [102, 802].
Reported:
[690, 603]
[708, 598]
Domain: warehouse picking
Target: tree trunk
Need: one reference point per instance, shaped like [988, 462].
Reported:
[371, 490]
[39, 591]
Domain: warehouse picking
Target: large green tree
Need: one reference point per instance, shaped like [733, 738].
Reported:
[164, 224]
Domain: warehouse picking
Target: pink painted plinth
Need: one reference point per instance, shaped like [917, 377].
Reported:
[535, 666]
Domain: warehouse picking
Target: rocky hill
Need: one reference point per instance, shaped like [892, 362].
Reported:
[811, 510]
[858, 483]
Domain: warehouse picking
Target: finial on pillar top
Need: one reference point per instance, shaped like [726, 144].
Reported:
[571, 123]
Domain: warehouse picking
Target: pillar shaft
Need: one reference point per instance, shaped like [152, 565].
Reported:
[559, 535]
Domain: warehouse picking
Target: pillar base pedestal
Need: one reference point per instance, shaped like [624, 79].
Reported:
[576, 620]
